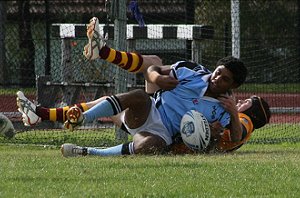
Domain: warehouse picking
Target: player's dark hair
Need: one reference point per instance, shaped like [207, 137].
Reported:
[236, 66]
[259, 112]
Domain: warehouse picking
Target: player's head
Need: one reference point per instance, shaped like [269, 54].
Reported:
[230, 73]
[257, 109]
[237, 68]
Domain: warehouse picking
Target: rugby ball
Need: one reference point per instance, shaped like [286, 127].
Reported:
[6, 127]
[195, 130]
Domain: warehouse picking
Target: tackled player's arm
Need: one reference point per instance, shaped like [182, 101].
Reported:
[235, 127]
[159, 75]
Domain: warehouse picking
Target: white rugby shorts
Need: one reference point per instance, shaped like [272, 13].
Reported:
[153, 125]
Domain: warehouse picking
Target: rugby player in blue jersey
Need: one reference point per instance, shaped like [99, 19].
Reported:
[153, 122]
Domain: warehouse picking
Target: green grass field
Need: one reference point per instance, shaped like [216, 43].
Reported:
[253, 171]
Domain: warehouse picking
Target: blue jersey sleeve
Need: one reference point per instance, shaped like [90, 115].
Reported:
[224, 119]
[184, 69]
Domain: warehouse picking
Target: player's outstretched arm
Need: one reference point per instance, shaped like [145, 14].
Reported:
[159, 75]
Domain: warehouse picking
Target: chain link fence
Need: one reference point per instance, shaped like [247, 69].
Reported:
[32, 47]
[269, 37]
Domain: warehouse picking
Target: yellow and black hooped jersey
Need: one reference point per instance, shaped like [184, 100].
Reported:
[226, 145]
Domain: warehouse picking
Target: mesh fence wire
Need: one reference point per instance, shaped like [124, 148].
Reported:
[31, 46]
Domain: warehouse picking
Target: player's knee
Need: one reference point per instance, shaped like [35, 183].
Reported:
[140, 97]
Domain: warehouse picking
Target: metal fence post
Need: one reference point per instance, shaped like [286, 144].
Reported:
[48, 51]
[67, 77]
[120, 44]
[2, 43]
[235, 27]
[196, 51]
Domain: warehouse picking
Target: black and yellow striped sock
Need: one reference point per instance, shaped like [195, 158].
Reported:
[129, 61]
[57, 114]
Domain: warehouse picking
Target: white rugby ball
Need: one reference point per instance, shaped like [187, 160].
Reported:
[195, 131]
[6, 127]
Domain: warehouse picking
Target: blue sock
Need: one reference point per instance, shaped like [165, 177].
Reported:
[102, 109]
[106, 108]
[122, 149]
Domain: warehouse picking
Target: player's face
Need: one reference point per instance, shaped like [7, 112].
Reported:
[243, 105]
[221, 80]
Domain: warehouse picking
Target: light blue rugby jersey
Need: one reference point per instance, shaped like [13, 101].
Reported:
[188, 95]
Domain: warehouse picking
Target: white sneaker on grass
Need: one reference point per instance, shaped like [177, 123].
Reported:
[28, 110]
[72, 150]
[96, 41]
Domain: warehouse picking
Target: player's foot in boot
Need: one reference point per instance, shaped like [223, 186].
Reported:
[72, 150]
[96, 41]
[27, 109]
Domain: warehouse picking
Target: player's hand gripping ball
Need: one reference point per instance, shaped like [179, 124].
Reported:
[195, 130]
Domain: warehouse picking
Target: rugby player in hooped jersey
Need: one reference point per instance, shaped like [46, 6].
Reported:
[254, 113]
[154, 121]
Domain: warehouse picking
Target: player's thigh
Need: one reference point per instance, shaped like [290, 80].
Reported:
[138, 108]
[117, 119]
[149, 60]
